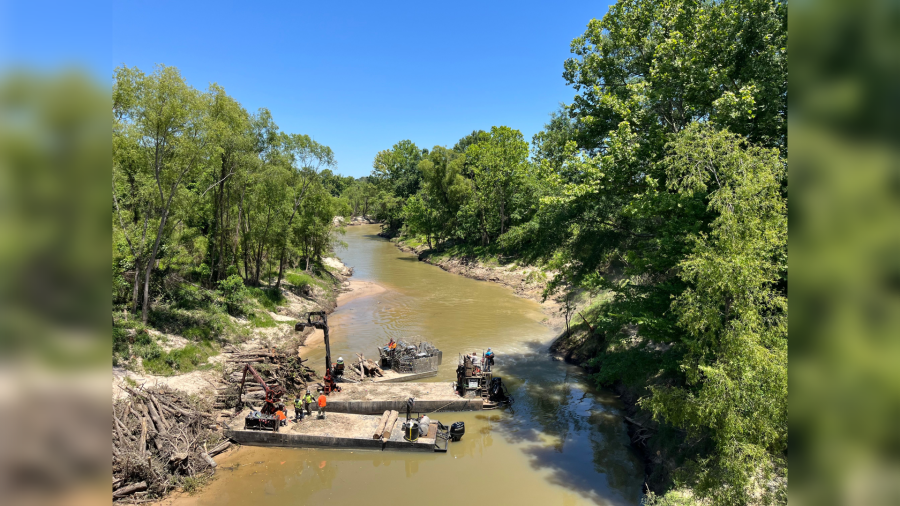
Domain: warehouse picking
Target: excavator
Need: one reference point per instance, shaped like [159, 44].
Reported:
[265, 417]
[319, 320]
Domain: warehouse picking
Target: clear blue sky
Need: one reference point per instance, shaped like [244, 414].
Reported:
[357, 76]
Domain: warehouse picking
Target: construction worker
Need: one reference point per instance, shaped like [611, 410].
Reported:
[488, 360]
[339, 368]
[328, 380]
[322, 402]
[392, 345]
[298, 409]
[308, 402]
[280, 416]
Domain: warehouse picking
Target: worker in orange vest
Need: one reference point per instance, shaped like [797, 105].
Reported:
[281, 417]
[322, 402]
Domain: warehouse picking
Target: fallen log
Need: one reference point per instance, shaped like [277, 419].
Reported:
[219, 448]
[160, 412]
[142, 442]
[379, 430]
[154, 415]
[389, 427]
[130, 489]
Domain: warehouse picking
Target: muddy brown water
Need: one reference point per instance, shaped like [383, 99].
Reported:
[561, 442]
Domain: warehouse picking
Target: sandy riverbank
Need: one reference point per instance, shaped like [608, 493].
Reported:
[357, 289]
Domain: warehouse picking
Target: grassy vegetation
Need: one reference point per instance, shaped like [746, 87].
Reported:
[299, 279]
[269, 298]
[262, 319]
[206, 318]
[181, 360]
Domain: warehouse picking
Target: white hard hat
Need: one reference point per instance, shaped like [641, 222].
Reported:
[341, 359]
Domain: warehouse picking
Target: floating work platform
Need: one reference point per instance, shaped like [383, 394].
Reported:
[336, 430]
[376, 398]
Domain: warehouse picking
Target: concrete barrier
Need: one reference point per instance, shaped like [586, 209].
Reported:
[293, 440]
[406, 377]
[379, 407]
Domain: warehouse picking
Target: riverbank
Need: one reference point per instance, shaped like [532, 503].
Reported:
[207, 376]
[269, 322]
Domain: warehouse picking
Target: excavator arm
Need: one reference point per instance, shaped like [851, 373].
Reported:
[272, 394]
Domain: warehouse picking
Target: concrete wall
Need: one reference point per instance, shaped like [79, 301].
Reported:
[379, 407]
[296, 440]
[407, 377]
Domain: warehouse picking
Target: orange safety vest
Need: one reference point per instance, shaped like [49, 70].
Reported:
[322, 401]
[280, 415]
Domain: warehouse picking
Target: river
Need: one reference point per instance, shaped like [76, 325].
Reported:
[561, 442]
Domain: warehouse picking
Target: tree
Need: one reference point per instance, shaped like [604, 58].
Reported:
[399, 168]
[732, 312]
[307, 158]
[168, 120]
[361, 195]
[444, 188]
[499, 167]
[422, 217]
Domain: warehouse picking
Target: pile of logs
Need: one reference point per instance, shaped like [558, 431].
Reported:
[276, 367]
[365, 367]
[159, 438]
[386, 425]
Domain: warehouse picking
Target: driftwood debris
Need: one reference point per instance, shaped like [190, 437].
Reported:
[160, 437]
[365, 368]
[129, 489]
[275, 366]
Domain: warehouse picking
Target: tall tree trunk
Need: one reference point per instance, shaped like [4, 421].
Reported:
[152, 261]
[137, 284]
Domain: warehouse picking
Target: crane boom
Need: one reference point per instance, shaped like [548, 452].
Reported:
[273, 394]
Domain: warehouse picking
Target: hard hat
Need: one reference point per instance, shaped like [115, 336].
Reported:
[340, 359]
[489, 349]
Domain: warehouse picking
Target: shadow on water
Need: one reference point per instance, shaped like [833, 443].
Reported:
[568, 429]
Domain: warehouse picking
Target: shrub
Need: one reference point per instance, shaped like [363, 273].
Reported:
[181, 322]
[189, 296]
[235, 294]
[149, 352]
[121, 341]
[299, 279]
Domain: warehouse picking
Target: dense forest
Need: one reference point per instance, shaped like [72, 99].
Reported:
[663, 186]
[211, 207]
